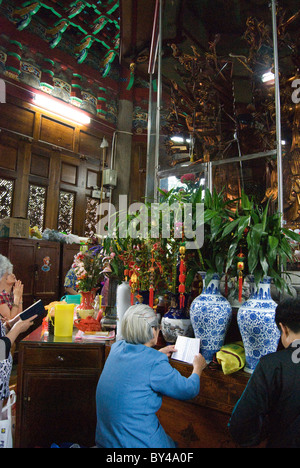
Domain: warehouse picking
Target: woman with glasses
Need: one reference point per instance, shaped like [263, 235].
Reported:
[134, 379]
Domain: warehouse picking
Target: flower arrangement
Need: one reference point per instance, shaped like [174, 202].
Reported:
[89, 266]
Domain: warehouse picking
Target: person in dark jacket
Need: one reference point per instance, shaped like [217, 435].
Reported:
[269, 408]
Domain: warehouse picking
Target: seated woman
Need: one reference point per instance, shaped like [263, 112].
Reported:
[11, 291]
[70, 282]
[133, 381]
[6, 342]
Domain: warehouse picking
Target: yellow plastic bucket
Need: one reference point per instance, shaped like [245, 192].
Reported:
[63, 319]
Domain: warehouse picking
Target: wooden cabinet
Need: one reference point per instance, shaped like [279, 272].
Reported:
[36, 263]
[202, 422]
[56, 391]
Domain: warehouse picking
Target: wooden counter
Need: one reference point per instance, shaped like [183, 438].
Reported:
[56, 386]
[202, 422]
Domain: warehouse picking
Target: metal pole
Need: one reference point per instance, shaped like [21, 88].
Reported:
[209, 174]
[149, 184]
[159, 89]
[278, 111]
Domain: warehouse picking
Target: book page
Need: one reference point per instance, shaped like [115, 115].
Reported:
[186, 349]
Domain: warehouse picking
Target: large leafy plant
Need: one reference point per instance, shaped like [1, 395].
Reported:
[268, 244]
[217, 217]
[137, 251]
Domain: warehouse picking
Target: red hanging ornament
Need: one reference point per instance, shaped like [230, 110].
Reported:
[151, 288]
[151, 295]
[182, 277]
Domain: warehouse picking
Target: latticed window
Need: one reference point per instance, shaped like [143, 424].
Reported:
[6, 197]
[36, 206]
[91, 216]
[66, 211]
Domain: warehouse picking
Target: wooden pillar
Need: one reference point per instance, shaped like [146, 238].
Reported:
[19, 208]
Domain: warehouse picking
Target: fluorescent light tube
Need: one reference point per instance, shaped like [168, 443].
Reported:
[58, 108]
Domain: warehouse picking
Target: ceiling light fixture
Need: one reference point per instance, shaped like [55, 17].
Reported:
[267, 77]
[63, 110]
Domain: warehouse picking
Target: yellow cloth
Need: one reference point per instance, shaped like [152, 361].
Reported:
[231, 357]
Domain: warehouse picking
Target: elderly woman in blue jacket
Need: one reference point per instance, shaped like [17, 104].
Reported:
[133, 381]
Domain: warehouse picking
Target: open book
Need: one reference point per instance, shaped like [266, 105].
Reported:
[186, 349]
[35, 309]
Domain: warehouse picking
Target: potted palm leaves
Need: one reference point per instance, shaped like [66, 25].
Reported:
[268, 249]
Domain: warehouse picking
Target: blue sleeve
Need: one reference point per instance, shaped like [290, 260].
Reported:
[168, 381]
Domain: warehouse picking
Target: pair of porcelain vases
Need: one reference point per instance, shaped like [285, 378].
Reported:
[211, 315]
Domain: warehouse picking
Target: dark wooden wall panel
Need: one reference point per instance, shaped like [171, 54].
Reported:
[17, 119]
[59, 134]
[39, 165]
[8, 157]
[90, 145]
[69, 173]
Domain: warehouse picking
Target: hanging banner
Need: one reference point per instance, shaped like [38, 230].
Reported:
[2, 92]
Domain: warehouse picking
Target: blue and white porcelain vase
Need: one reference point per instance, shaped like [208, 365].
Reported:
[176, 322]
[210, 315]
[256, 321]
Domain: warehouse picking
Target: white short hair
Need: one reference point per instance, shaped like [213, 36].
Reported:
[137, 324]
[5, 266]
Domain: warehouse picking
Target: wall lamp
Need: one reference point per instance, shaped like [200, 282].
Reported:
[63, 110]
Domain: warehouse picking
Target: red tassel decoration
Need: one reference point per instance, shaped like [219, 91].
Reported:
[240, 285]
[151, 296]
[182, 270]
[151, 288]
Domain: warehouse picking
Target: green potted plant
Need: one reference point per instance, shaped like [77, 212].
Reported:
[268, 246]
[267, 243]
[217, 218]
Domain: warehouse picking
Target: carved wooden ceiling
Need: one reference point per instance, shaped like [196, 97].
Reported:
[102, 32]
[88, 31]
